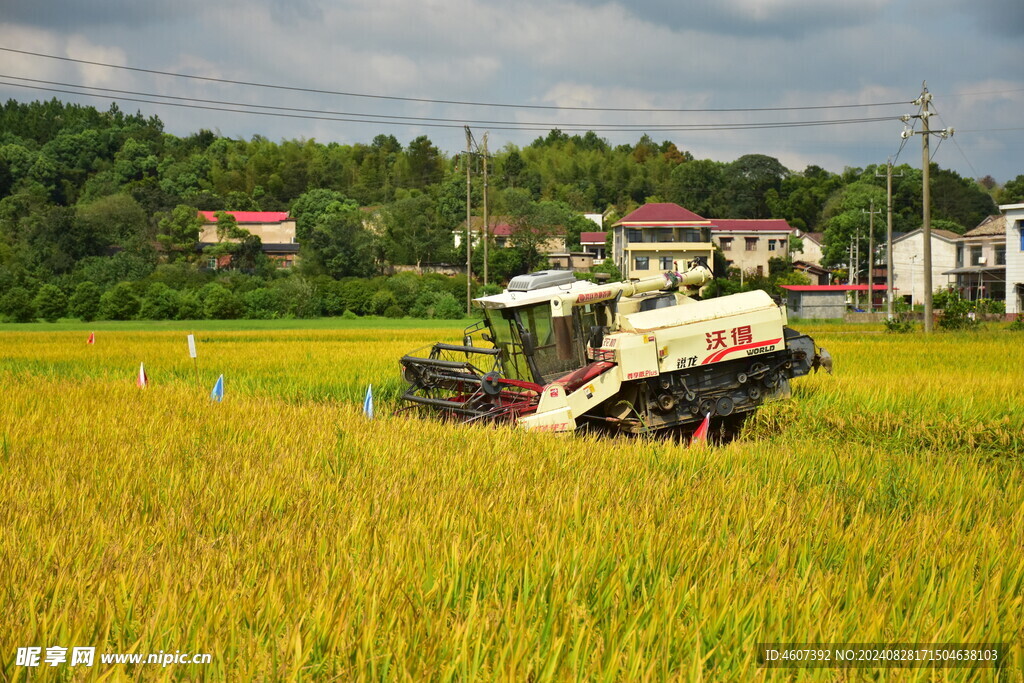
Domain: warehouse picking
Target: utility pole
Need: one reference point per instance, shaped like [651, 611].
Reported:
[487, 226]
[871, 254]
[926, 219]
[469, 230]
[913, 281]
[856, 268]
[890, 311]
[849, 260]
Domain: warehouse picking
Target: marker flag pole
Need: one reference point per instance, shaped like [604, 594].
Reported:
[218, 390]
[194, 356]
[142, 381]
[368, 403]
[701, 435]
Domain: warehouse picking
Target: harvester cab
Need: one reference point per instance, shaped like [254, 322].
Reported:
[554, 353]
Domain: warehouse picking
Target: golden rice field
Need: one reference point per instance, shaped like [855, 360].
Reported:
[292, 539]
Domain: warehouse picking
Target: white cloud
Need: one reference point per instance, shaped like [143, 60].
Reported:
[709, 54]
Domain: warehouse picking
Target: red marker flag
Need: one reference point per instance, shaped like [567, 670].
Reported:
[92, 338]
[701, 435]
[142, 380]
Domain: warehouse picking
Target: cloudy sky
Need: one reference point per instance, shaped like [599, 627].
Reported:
[572, 61]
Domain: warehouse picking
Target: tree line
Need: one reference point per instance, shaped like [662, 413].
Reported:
[111, 199]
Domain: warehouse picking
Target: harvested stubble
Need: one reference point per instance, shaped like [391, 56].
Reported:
[291, 538]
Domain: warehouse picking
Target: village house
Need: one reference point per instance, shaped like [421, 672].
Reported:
[749, 244]
[659, 237]
[908, 262]
[664, 236]
[1013, 225]
[594, 243]
[276, 230]
[981, 261]
[813, 250]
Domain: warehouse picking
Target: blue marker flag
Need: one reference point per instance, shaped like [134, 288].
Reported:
[368, 402]
[218, 390]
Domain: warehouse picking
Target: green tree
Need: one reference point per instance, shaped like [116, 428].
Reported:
[301, 295]
[747, 183]
[697, 186]
[119, 302]
[426, 164]
[85, 301]
[54, 239]
[264, 304]
[115, 220]
[1013, 191]
[845, 218]
[16, 306]
[51, 303]
[221, 304]
[159, 303]
[960, 200]
[339, 246]
[190, 306]
[534, 224]
[179, 232]
[412, 232]
[316, 206]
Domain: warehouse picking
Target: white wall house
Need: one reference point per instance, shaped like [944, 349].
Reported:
[1014, 257]
[814, 247]
[908, 262]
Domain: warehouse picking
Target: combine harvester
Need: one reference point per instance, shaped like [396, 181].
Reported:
[554, 353]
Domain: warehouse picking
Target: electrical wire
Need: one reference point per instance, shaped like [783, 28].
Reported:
[457, 123]
[574, 126]
[430, 100]
[903, 141]
[955, 144]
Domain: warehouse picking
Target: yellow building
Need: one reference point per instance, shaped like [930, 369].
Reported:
[659, 237]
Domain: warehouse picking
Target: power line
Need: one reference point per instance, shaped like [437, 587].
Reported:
[986, 92]
[458, 123]
[589, 126]
[430, 100]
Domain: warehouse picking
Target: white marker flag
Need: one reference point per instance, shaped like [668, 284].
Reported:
[368, 402]
[192, 346]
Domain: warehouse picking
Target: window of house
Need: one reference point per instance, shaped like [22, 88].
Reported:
[641, 263]
[726, 243]
[959, 256]
[751, 243]
[1000, 255]
[690, 235]
[211, 263]
[760, 271]
[666, 263]
[976, 256]
[665, 235]
[634, 235]
[1020, 229]
[771, 245]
